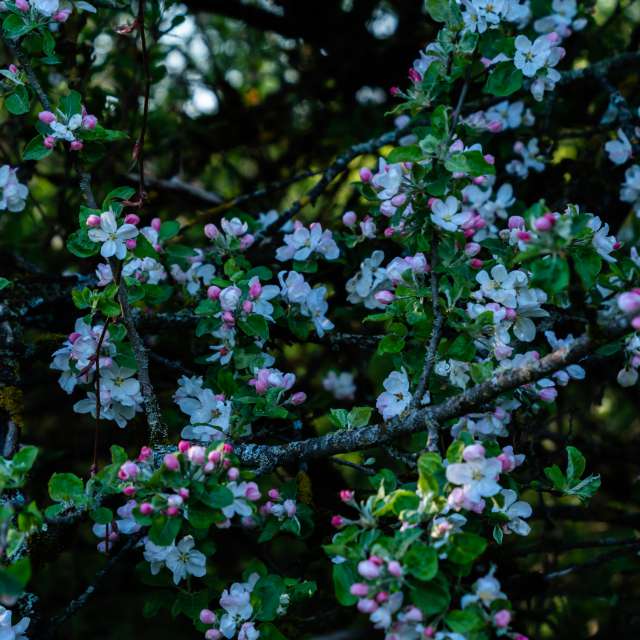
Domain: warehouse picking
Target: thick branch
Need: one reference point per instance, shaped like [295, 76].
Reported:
[267, 457]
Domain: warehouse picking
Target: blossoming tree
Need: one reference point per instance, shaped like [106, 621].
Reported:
[352, 403]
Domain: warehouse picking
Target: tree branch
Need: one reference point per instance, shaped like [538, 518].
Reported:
[266, 457]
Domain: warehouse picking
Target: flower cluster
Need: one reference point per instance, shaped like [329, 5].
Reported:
[13, 194]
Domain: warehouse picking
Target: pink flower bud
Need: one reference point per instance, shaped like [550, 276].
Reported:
[211, 231]
[227, 448]
[76, 145]
[255, 289]
[394, 91]
[413, 614]
[47, 117]
[252, 492]
[525, 236]
[290, 507]
[349, 218]
[214, 456]
[502, 618]
[519, 636]
[228, 319]
[635, 323]
[298, 398]
[543, 224]
[476, 263]
[382, 596]
[131, 243]
[246, 241]
[548, 394]
[62, 15]
[233, 473]
[367, 605]
[495, 126]
[22, 5]
[212, 634]
[394, 568]
[399, 200]
[368, 569]
[146, 509]
[13, 69]
[129, 491]
[346, 495]
[171, 462]
[132, 218]
[247, 306]
[337, 521]
[429, 632]
[73, 337]
[89, 121]
[128, 471]
[472, 249]
[473, 452]
[183, 446]
[359, 589]
[183, 492]
[384, 297]
[629, 302]
[172, 512]
[365, 175]
[388, 232]
[274, 494]
[515, 222]
[156, 223]
[213, 292]
[49, 142]
[510, 314]
[207, 616]
[93, 221]
[196, 455]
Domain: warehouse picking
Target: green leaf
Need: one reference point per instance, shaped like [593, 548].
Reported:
[71, 104]
[433, 597]
[4, 283]
[464, 621]
[23, 460]
[18, 102]
[469, 162]
[267, 592]
[200, 517]
[15, 26]
[411, 153]
[217, 497]
[443, 11]
[65, 487]
[587, 264]
[344, 575]
[80, 245]
[391, 344]
[359, 417]
[36, 150]
[466, 547]
[169, 229]
[576, 464]
[102, 515]
[255, 325]
[429, 464]
[164, 530]
[421, 561]
[504, 80]
[550, 273]
[556, 476]
[119, 193]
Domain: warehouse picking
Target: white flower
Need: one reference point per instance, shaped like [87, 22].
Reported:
[627, 377]
[619, 150]
[300, 244]
[388, 179]
[261, 304]
[316, 307]
[530, 57]
[240, 504]
[236, 601]
[293, 287]
[210, 414]
[604, 244]
[13, 194]
[370, 279]
[9, 631]
[156, 555]
[501, 285]
[234, 227]
[340, 385]
[109, 409]
[477, 477]
[120, 384]
[486, 590]
[183, 560]
[396, 397]
[113, 238]
[230, 298]
[146, 270]
[445, 214]
[531, 159]
[382, 617]
[46, 7]
[515, 510]
[630, 190]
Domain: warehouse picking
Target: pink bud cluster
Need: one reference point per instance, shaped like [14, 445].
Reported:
[63, 128]
[234, 235]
